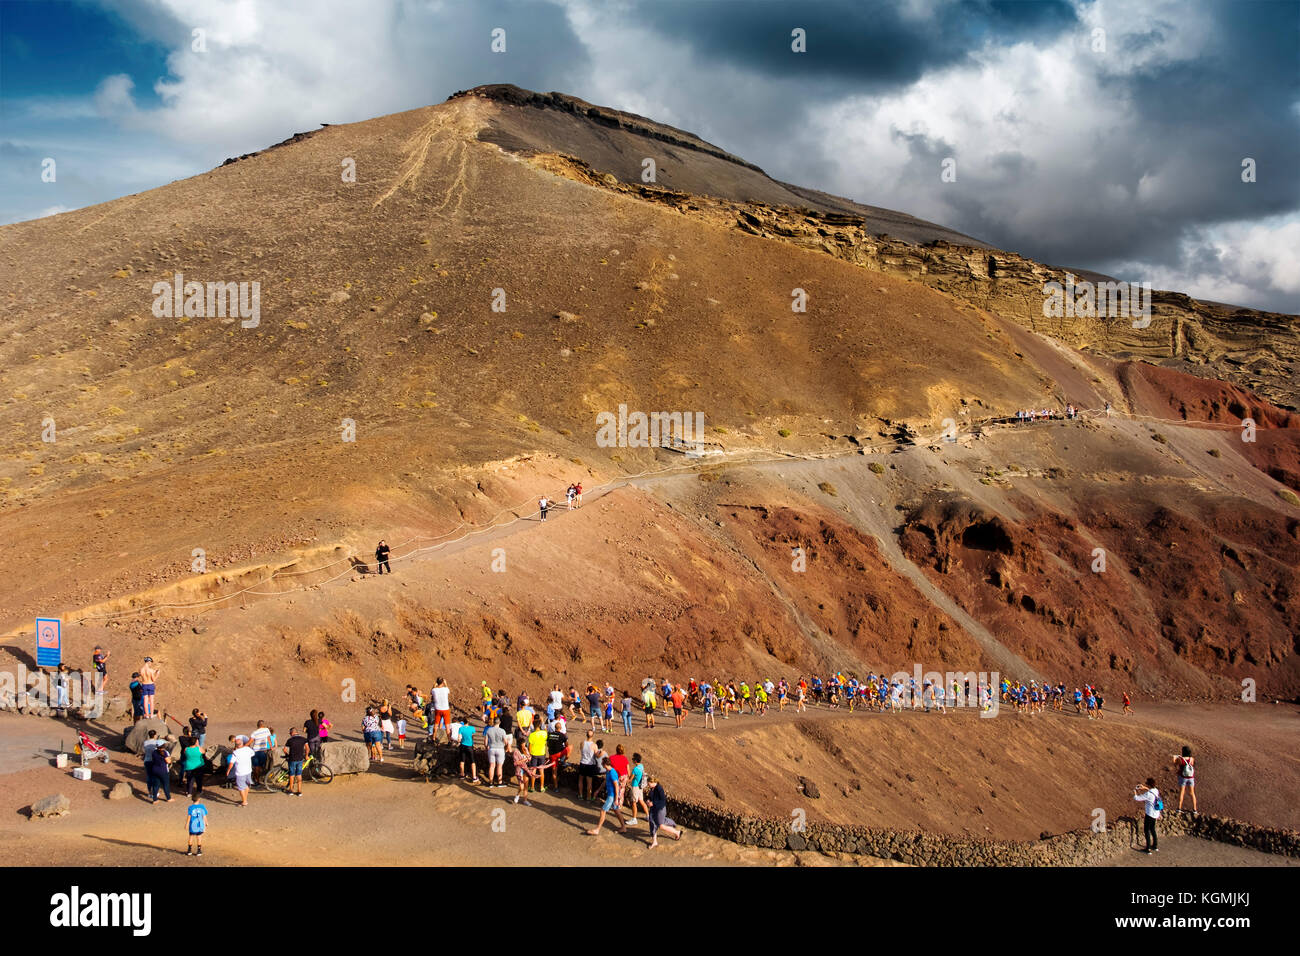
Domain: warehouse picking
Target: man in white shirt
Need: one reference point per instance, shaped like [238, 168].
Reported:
[1150, 797]
[241, 768]
[261, 741]
[441, 707]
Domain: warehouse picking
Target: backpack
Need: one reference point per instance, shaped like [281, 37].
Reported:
[1159, 804]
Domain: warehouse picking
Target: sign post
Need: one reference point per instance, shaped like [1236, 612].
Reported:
[49, 642]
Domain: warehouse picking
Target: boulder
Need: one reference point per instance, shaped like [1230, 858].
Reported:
[434, 759]
[809, 789]
[121, 791]
[55, 805]
[346, 756]
[116, 707]
[136, 735]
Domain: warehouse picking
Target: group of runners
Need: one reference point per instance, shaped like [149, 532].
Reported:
[1035, 414]
[608, 710]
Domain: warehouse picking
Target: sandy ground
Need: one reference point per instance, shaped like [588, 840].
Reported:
[389, 816]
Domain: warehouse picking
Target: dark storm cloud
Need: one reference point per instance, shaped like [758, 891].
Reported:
[1195, 120]
[866, 44]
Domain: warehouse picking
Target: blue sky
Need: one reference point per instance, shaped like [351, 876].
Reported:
[1124, 159]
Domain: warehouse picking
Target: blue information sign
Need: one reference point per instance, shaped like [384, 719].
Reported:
[49, 642]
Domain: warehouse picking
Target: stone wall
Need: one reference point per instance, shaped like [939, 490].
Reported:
[1076, 848]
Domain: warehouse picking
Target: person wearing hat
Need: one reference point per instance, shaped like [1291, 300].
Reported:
[149, 682]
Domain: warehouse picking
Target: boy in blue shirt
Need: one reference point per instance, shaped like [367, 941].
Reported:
[466, 734]
[196, 817]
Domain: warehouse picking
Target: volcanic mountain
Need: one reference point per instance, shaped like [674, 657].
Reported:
[448, 300]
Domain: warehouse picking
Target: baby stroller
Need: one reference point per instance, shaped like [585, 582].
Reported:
[89, 750]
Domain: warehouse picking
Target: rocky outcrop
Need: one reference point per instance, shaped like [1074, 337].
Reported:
[1253, 349]
[1076, 848]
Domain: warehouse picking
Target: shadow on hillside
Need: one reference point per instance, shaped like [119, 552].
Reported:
[21, 653]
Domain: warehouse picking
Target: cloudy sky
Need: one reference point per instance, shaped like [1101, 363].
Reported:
[1107, 135]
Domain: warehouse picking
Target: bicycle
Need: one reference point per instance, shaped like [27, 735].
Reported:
[312, 769]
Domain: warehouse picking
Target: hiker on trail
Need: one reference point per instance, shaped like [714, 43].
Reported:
[99, 663]
[1185, 764]
[440, 700]
[1128, 704]
[570, 493]
[542, 504]
[415, 704]
[1149, 796]
[1108, 409]
[708, 703]
[577, 494]
[678, 701]
[196, 816]
[648, 702]
[381, 557]
[295, 752]
[325, 724]
[149, 672]
[241, 768]
[594, 708]
[611, 799]
[199, 725]
[659, 813]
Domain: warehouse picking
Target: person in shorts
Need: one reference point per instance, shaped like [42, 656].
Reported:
[196, 823]
[99, 662]
[636, 784]
[372, 735]
[466, 734]
[1185, 765]
[588, 770]
[537, 756]
[241, 768]
[611, 800]
[524, 773]
[496, 740]
[295, 752]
